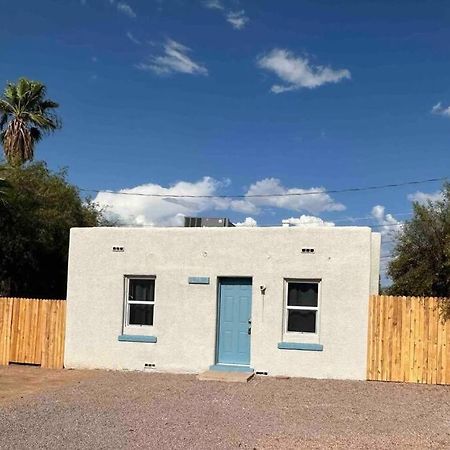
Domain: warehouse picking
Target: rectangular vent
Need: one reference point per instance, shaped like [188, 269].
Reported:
[149, 366]
[118, 249]
[308, 250]
[261, 373]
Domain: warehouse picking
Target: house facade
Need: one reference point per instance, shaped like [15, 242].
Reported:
[281, 300]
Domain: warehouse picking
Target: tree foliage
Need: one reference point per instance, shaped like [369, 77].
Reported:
[4, 189]
[421, 257]
[35, 221]
[25, 116]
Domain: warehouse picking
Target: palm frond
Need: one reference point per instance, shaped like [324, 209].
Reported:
[5, 106]
[36, 134]
[3, 120]
[10, 93]
[48, 104]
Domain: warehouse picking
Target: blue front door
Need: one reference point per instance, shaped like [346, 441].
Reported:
[235, 306]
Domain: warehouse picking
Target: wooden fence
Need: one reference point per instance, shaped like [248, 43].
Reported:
[32, 331]
[408, 340]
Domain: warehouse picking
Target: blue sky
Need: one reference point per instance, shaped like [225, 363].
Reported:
[256, 96]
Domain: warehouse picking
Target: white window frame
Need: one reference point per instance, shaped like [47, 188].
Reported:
[302, 308]
[128, 302]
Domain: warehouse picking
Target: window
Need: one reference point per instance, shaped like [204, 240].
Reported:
[302, 306]
[140, 297]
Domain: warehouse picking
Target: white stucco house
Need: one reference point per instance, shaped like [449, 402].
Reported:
[280, 300]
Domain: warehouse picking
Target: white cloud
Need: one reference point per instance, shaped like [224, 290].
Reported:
[133, 39]
[175, 59]
[296, 72]
[424, 197]
[238, 19]
[126, 9]
[388, 224]
[307, 221]
[312, 200]
[440, 110]
[158, 211]
[214, 4]
[145, 210]
[248, 222]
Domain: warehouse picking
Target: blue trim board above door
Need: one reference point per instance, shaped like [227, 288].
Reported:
[198, 280]
[137, 338]
[300, 346]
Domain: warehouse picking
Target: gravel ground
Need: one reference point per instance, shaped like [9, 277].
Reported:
[101, 409]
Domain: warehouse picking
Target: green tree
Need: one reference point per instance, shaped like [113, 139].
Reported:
[421, 257]
[4, 189]
[34, 226]
[25, 116]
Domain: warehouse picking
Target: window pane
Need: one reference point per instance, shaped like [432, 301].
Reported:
[303, 294]
[141, 315]
[141, 290]
[302, 321]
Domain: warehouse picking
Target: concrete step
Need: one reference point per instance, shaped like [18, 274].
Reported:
[228, 377]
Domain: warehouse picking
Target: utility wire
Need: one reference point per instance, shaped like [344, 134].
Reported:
[370, 217]
[289, 194]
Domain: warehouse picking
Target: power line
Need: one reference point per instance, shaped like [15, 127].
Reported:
[379, 225]
[289, 194]
[370, 217]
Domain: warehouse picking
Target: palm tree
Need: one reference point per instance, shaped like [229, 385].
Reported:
[25, 116]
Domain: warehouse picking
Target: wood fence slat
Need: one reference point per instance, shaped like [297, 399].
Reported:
[5, 329]
[45, 327]
[397, 365]
[430, 339]
[408, 340]
[406, 324]
[419, 337]
[380, 343]
[446, 352]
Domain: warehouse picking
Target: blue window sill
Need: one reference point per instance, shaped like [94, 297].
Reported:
[300, 346]
[138, 338]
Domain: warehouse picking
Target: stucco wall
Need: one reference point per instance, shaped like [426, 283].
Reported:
[345, 259]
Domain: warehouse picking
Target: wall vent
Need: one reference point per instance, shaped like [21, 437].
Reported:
[308, 250]
[118, 249]
[149, 366]
[261, 373]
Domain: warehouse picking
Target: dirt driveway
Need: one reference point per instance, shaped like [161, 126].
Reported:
[99, 409]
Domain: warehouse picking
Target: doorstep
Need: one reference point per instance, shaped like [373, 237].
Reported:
[228, 374]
